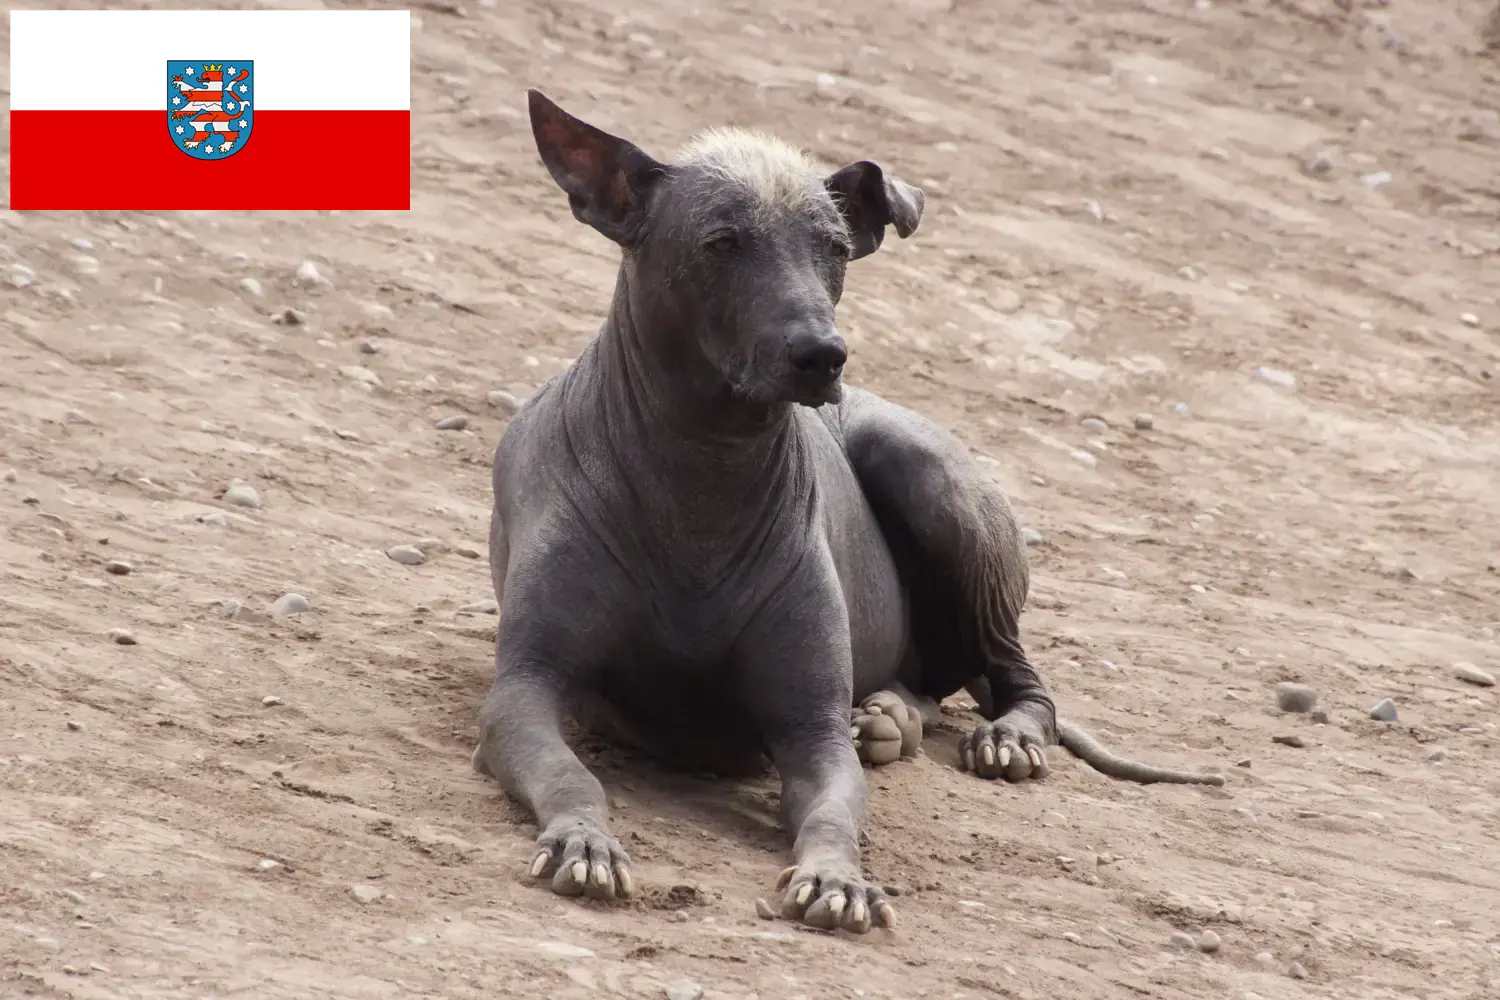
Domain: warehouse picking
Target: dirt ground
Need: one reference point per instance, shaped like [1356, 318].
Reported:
[1133, 205]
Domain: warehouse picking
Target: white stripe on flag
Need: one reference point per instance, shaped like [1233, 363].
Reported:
[116, 60]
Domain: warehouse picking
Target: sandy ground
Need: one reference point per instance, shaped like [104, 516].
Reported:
[1132, 206]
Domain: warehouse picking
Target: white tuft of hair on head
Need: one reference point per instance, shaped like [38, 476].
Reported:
[777, 173]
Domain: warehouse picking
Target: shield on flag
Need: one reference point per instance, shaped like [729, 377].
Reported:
[210, 106]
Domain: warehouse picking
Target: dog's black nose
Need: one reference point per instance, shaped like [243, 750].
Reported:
[818, 355]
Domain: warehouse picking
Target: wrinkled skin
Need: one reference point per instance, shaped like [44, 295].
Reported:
[703, 544]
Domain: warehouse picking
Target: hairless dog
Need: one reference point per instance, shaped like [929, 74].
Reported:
[706, 546]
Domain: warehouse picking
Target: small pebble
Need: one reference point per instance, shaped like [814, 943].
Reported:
[1208, 942]
[75, 725]
[9, 475]
[1072, 937]
[558, 949]
[121, 636]
[1319, 716]
[119, 567]
[1292, 697]
[454, 423]
[242, 495]
[48, 944]
[1276, 377]
[1182, 939]
[1469, 319]
[1471, 674]
[1379, 178]
[291, 604]
[1318, 164]
[271, 701]
[359, 373]
[503, 401]
[1436, 753]
[1143, 421]
[684, 989]
[1296, 971]
[266, 865]
[252, 286]
[1385, 711]
[1289, 740]
[364, 892]
[369, 346]
[487, 607]
[763, 910]
[308, 274]
[406, 555]
[76, 898]
[1093, 424]
[290, 317]
[1265, 958]
[1031, 537]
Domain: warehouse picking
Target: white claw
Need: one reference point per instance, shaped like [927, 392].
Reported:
[539, 864]
[804, 894]
[988, 753]
[580, 872]
[1005, 757]
[601, 875]
[836, 905]
[627, 887]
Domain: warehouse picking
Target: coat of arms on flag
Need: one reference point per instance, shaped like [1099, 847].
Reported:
[210, 106]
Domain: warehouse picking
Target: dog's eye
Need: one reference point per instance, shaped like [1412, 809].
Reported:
[724, 244]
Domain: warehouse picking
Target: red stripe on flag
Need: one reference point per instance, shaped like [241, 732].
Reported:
[362, 160]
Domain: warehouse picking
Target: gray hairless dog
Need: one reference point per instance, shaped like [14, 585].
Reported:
[705, 546]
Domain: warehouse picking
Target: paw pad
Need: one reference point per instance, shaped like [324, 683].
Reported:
[885, 729]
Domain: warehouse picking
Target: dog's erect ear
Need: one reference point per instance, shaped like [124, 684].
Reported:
[872, 199]
[605, 177]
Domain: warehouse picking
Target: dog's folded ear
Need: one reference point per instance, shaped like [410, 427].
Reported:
[871, 199]
[605, 177]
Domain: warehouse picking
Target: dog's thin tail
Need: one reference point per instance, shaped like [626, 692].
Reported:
[1093, 753]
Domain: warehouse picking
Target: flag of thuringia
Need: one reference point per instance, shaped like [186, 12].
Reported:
[210, 109]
